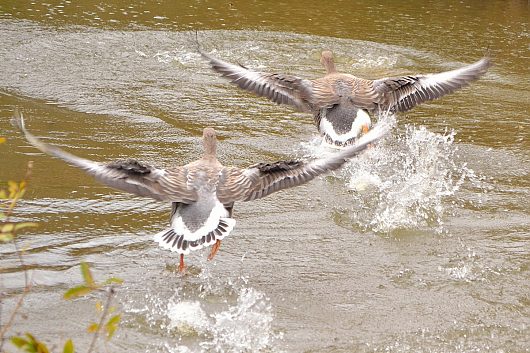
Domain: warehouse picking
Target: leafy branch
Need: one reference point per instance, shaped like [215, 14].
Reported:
[8, 232]
[28, 343]
[89, 286]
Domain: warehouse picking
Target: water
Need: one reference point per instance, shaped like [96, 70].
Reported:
[421, 244]
[208, 315]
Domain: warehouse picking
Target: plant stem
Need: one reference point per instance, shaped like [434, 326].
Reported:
[102, 319]
[27, 284]
[27, 288]
[13, 315]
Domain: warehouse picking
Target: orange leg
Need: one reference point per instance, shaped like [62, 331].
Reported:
[181, 264]
[365, 129]
[215, 249]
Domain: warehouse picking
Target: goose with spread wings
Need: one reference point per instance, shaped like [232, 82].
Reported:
[202, 193]
[341, 103]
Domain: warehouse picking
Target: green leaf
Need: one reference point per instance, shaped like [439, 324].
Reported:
[111, 330]
[112, 325]
[5, 237]
[7, 228]
[23, 225]
[41, 348]
[87, 275]
[93, 327]
[12, 187]
[77, 291]
[19, 342]
[114, 320]
[69, 347]
[113, 280]
[29, 344]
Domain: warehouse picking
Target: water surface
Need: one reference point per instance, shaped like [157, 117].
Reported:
[421, 244]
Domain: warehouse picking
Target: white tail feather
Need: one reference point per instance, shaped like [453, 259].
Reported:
[169, 239]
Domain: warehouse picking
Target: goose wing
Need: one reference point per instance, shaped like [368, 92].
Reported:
[127, 175]
[279, 88]
[260, 180]
[403, 93]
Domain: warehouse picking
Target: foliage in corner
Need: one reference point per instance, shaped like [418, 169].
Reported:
[9, 197]
[8, 231]
[111, 325]
[28, 343]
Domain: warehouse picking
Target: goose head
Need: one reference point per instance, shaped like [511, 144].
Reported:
[326, 59]
[209, 142]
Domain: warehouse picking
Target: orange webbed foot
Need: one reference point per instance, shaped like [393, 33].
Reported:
[215, 249]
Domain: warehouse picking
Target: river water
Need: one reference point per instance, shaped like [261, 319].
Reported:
[420, 245]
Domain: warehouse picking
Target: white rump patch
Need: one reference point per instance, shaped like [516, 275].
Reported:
[180, 239]
[362, 119]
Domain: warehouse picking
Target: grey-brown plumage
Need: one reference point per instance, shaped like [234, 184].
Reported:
[338, 99]
[203, 192]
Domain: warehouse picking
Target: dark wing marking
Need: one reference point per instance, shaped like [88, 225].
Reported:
[260, 180]
[279, 88]
[130, 167]
[277, 166]
[403, 93]
[126, 175]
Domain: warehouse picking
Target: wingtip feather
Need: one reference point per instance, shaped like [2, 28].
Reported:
[377, 132]
[18, 120]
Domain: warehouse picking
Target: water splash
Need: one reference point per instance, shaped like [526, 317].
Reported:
[187, 317]
[243, 327]
[418, 170]
[468, 266]
[209, 314]
[403, 181]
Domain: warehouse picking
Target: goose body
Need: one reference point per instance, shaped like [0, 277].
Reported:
[203, 222]
[203, 193]
[341, 102]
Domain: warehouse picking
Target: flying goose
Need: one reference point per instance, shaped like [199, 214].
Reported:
[202, 193]
[341, 104]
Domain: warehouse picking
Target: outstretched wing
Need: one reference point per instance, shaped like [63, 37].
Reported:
[263, 179]
[279, 88]
[126, 175]
[403, 93]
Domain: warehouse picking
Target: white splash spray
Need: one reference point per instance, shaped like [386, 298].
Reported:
[209, 314]
[403, 181]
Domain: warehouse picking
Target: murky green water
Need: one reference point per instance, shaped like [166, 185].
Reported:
[420, 245]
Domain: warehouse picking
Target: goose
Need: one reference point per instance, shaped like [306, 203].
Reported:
[202, 193]
[341, 103]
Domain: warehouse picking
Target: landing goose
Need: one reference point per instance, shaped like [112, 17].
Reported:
[341, 104]
[202, 193]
